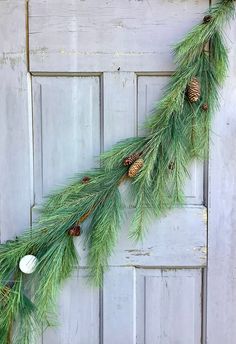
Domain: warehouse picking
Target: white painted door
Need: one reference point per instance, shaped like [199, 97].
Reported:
[95, 69]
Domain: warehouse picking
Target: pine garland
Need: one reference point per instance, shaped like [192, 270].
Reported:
[177, 132]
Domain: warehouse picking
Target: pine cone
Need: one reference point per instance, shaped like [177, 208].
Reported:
[85, 180]
[207, 19]
[193, 90]
[135, 167]
[205, 107]
[131, 159]
[74, 231]
[171, 165]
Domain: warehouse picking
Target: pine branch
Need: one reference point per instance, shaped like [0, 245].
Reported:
[103, 234]
[55, 266]
[144, 209]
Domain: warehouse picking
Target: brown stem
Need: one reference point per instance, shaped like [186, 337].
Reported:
[9, 335]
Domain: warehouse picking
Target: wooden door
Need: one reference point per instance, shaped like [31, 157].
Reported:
[95, 69]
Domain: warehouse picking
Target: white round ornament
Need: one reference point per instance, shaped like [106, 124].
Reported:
[28, 264]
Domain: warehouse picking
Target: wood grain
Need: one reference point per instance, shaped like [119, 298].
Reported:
[153, 290]
[106, 35]
[66, 116]
[168, 306]
[221, 292]
[15, 143]
[78, 309]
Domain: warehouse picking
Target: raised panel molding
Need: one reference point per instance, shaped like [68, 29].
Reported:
[152, 306]
[169, 306]
[67, 135]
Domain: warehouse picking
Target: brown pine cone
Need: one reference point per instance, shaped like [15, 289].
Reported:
[194, 90]
[135, 168]
[85, 180]
[131, 159]
[171, 165]
[74, 231]
[205, 107]
[207, 19]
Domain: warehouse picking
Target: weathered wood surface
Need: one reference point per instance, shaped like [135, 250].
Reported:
[221, 294]
[178, 240]
[149, 304]
[66, 117]
[139, 306]
[79, 311]
[169, 309]
[15, 138]
[106, 35]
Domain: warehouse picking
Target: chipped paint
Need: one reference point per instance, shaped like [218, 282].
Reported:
[97, 53]
[42, 52]
[136, 252]
[202, 249]
[205, 216]
[141, 254]
[12, 59]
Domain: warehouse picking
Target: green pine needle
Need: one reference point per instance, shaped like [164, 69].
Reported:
[103, 235]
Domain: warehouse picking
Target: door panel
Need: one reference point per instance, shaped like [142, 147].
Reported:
[66, 129]
[15, 138]
[143, 306]
[160, 306]
[168, 306]
[178, 239]
[82, 105]
[78, 311]
[119, 306]
[119, 97]
[107, 34]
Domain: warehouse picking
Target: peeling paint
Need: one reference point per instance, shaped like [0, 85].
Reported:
[205, 216]
[202, 249]
[137, 252]
[12, 59]
[141, 254]
[40, 51]
[98, 53]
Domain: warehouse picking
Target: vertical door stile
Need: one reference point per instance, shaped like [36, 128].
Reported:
[119, 291]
